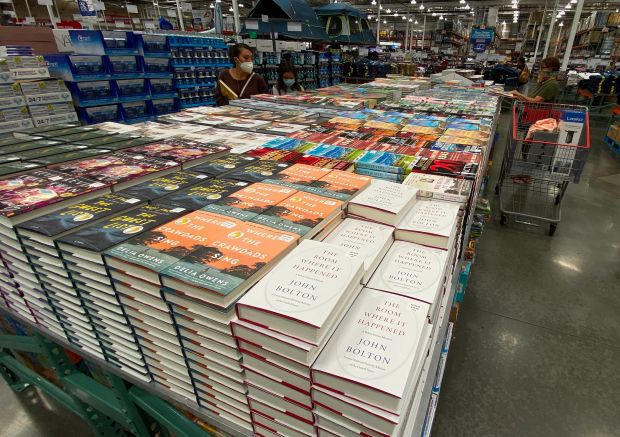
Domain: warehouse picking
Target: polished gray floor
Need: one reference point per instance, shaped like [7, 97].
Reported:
[536, 348]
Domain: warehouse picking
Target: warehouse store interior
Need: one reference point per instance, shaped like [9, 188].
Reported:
[309, 218]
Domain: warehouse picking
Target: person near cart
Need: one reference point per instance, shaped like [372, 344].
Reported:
[287, 80]
[239, 82]
[524, 73]
[548, 87]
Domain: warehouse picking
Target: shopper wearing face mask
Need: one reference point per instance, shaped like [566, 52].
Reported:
[287, 80]
[548, 87]
[239, 82]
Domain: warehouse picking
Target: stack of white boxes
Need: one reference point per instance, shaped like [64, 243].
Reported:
[29, 98]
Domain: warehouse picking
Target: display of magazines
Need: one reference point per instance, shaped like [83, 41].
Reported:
[247, 258]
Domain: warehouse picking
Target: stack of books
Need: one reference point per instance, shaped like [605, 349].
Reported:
[23, 198]
[285, 321]
[365, 378]
[203, 262]
[82, 254]
[37, 237]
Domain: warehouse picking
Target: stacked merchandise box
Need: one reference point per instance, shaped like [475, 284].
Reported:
[111, 79]
[14, 114]
[49, 102]
[196, 62]
[304, 63]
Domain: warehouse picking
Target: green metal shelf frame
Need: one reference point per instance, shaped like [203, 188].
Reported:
[108, 409]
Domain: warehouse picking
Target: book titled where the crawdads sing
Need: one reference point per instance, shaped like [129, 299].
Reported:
[236, 256]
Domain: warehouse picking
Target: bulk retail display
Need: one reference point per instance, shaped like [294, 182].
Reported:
[190, 255]
[28, 97]
[122, 76]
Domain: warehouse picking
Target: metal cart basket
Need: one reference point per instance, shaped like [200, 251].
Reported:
[538, 165]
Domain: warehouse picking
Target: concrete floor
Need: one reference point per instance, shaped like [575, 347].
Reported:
[536, 346]
[537, 343]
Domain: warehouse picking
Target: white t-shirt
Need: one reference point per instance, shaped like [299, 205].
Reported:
[288, 90]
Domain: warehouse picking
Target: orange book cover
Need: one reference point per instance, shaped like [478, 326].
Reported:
[236, 251]
[343, 182]
[166, 244]
[301, 174]
[300, 213]
[258, 197]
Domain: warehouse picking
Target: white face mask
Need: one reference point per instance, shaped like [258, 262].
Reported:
[247, 67]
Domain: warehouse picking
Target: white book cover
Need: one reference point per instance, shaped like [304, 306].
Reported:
[376, 346]
[383, 197]
[365, 240]
[411, 270]
[440, 187]
[430, 217]
[305, 290]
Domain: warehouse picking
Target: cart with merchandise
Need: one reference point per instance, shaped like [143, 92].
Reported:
[547, 148]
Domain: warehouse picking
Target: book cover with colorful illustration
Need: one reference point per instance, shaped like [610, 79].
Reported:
[300, 213]
[40, 188]
[168, 243]
[179, 150]
[258, 197]
[343, 182]
[80, 214]
[238, 252]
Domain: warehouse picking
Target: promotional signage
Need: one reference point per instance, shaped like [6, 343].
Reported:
[480, 39]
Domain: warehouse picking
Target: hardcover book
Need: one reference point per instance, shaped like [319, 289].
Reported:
[77, 215]
[116, 229]
[413, 271]
[304, 294]
[175, 149]
[219, 166]
[165, 185]
[440, 187]
[430, 223]
[145, 255]
[257, 171]
[301, 174]
[48, 151]
[365, 240]
[200, 195]
[301, 213]
[70, 156]
[30, 145]
[373, 352]
[258, 197]
[17, 168]
[220, 271]
[343, 182]
[41, 188]
[385, 202]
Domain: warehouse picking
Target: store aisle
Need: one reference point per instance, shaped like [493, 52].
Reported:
[537, 342]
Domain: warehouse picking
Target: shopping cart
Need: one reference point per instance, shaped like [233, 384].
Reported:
[536, 168]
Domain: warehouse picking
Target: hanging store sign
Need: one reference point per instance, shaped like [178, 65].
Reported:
[481, 38]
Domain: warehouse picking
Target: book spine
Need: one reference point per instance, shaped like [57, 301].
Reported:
[380, 175]
[378, 167]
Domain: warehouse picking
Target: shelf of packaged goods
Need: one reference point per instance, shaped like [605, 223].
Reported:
[151, 387]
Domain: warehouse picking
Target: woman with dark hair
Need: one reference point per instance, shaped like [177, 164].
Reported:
[239, 82]
[287, 80]
[548, 87]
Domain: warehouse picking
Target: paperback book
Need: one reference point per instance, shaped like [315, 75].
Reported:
[165, 185]
[204, 193]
